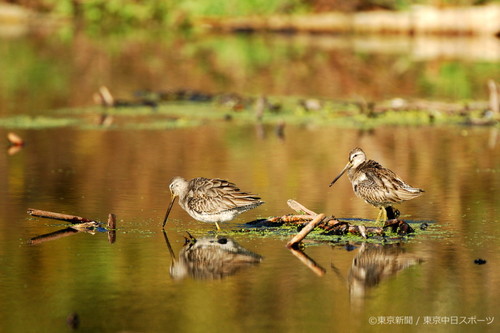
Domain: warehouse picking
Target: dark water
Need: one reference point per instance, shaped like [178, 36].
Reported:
[427, 281]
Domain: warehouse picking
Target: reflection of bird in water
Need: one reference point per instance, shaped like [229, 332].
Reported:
[375, 184]
[211, 200]
[210, 258]
[374, 263]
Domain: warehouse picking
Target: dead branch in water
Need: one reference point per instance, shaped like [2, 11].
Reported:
[329, 224]
[305, 231]
[78, 224]
[58, 216]
[296, 206]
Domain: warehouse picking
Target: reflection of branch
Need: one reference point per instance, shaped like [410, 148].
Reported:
[53, 235]
[311, 264]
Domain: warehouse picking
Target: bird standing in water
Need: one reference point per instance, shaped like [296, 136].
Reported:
[210, 200]
[378, 186]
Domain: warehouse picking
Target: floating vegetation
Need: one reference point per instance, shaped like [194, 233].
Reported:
[184, 108]
[199, 106]
[24, 121]
[320, 229]
[319, 236]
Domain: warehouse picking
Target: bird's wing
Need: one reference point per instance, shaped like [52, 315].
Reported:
[385, 186]
[216, 195]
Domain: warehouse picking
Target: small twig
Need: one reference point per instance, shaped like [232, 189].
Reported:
[85, 226]
[111, 222]
[299, 207]
[362, 231]
[305, 231]
[111, 226]
[15, 140]
[106, 97]
[494, 99]
[294, 218]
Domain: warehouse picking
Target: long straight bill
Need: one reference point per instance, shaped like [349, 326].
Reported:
[340, 175]
[168, 211]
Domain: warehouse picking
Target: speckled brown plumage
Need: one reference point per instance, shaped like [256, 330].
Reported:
[211, 200]
[375, 184]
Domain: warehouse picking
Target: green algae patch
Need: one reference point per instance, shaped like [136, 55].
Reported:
[28, 122]
[420, 231]
[244, 110]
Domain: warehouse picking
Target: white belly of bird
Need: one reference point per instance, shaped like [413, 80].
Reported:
[224, 216]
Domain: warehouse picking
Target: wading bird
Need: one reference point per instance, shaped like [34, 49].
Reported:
[378, 186]
[210, 200]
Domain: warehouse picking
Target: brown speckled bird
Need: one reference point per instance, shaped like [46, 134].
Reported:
[375, 184]
[210, 200]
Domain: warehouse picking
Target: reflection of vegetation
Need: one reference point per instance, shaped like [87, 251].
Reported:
[59, 73]
[110, 14]
[113, 14]
[188, 114]
[29, 76]
[248, 7]
[455, 79]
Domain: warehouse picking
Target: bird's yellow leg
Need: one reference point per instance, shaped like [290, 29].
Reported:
[217, 225]
[384, 214]
[379, 215]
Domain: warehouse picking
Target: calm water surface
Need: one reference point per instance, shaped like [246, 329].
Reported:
[127, 285]
[427, 281]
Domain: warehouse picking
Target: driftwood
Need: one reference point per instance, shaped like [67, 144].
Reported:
[78, 224]
[58, 216]
[305, 231]
[296, 206]
[330, 225]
